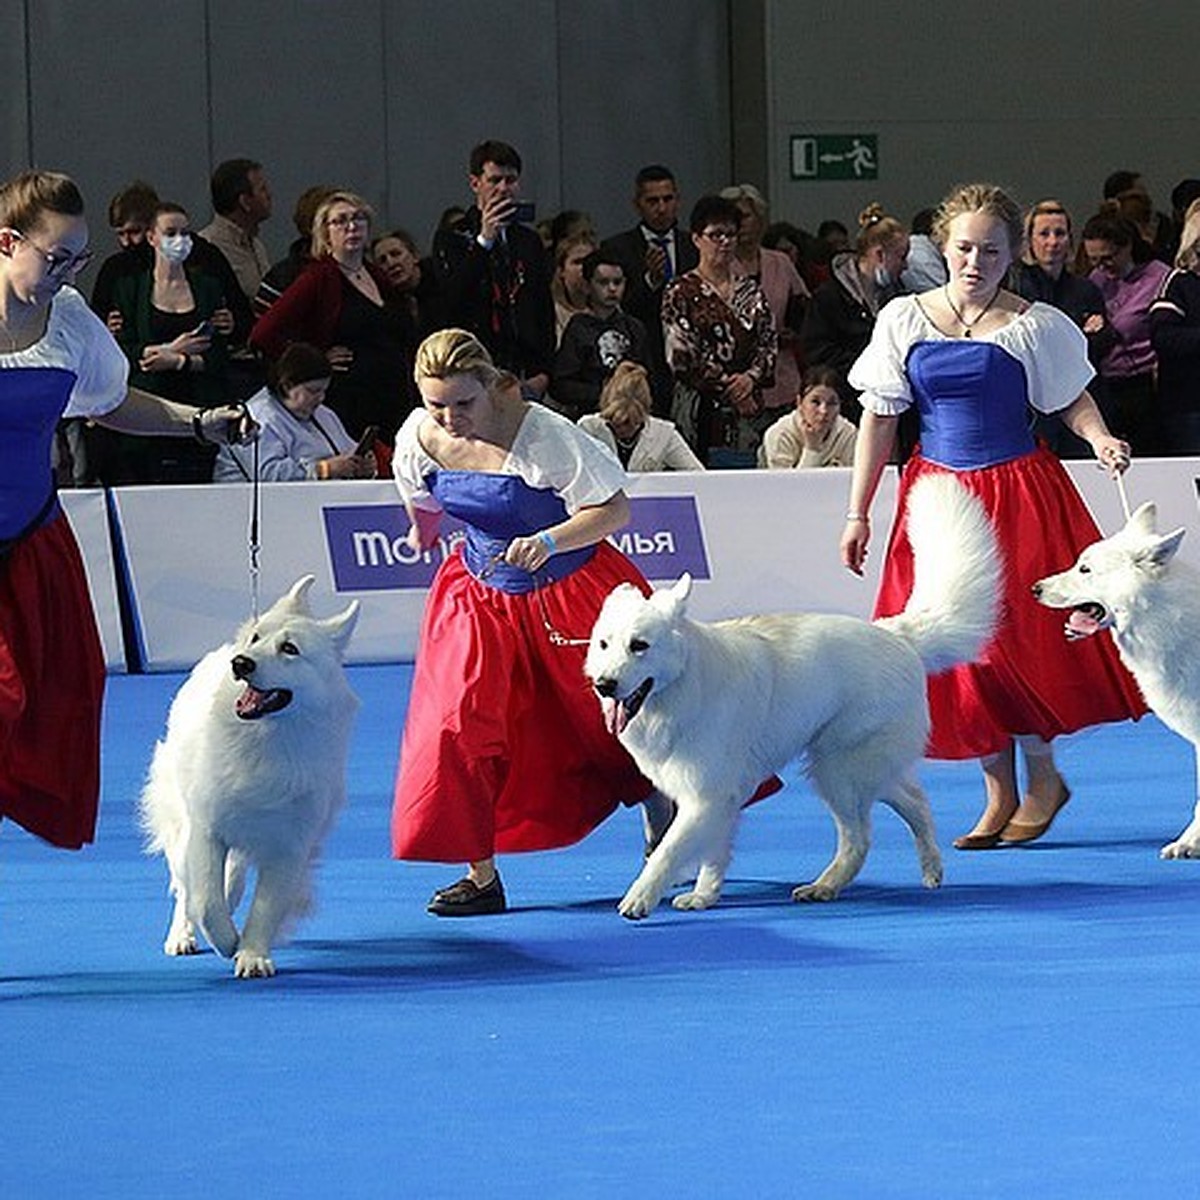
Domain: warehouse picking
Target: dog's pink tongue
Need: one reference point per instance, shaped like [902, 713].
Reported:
[250, 701]
[614, 715]
[1081, 624]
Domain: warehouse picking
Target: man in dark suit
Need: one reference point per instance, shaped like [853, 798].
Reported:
[493, 274]
[653, 253]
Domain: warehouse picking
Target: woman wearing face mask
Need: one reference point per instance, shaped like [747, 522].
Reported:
[173, 325]
[1129, 279]
[842, 311]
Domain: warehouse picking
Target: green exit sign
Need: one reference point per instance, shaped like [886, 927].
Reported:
[835, 156]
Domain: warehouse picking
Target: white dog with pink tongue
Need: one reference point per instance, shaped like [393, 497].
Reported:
[708, 711]
[1133, 585]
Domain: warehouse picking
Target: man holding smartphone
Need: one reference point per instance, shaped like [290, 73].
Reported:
[494, 274]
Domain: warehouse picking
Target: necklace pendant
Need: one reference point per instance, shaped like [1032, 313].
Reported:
[967, 332]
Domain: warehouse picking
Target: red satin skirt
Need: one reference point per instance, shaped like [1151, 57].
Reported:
[1029, 679]
[504, 745]
[51, 689]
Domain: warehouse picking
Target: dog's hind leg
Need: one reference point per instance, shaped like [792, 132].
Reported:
[1187, 844]
[852, 816]
[908, 799]
[204, 872]
[280, 892]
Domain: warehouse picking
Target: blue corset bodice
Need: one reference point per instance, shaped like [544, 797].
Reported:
[495, 509]
[972, 399]
[31, 401]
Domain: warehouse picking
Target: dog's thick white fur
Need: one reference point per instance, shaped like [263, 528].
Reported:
[251, 773]
[1133, 585]
[709, 710]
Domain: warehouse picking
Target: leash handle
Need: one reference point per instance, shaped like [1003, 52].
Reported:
[254, 531]
[1119, 479]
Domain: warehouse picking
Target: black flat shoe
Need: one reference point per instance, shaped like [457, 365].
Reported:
[467, 899]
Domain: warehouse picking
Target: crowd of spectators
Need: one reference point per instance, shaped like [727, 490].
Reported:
[742, 331]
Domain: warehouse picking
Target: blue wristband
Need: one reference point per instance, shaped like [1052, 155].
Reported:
[547, 540]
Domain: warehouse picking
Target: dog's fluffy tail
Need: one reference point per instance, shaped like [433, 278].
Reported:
[954, 605]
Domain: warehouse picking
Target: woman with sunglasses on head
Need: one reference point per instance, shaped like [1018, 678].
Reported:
[343, 304]
[720, 342]
[56, 358]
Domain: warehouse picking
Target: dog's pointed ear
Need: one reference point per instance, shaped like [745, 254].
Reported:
[297, 597]
[673, 600]
[340, 627]
[1160, 550]
[1143, 519]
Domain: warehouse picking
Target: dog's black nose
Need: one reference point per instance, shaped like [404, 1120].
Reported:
[1037, 591]
[243, 666]
[605, 686]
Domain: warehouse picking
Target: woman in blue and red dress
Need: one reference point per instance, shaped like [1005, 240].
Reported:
[504, 745]
[973, 357]
[56, 359]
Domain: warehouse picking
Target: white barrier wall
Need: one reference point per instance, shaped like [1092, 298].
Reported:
[87, 511]
[754, 542]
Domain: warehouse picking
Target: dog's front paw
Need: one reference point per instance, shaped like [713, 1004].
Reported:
[815, 893]
[694, 901]
[931, 877]
[248, 964]
[182, 942]
[1185, 847]
[640, 901]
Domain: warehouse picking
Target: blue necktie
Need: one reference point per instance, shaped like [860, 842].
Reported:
[664, 241]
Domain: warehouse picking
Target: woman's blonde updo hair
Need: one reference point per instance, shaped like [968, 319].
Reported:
[876, 228]
[627, 393]
[980, 198]
[1188, 258]
[451, 352]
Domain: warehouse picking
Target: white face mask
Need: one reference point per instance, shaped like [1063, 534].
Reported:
[883, 277]
[175, 247]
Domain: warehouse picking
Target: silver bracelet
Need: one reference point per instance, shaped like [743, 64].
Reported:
[857, 516]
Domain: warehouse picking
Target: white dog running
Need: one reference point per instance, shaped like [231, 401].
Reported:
[1133, 585]
[708, 711]
[251, 772]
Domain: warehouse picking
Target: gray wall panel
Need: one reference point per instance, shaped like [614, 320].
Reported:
[1045, 99]
[14, 108]
[458, 74]
[300, 87]
[120, 91]
[642, 83]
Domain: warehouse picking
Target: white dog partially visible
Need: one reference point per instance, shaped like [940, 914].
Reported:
[251, 773]
[1133, 585]
[708, 711]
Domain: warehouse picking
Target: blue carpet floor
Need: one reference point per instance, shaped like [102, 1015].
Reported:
[1030, 1029]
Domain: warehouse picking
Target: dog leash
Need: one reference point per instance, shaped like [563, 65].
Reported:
[556, 638]
[1120, 481]
[254, 532]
